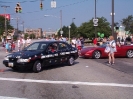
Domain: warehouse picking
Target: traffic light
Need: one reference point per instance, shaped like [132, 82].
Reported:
[41, 6]
[18, 8]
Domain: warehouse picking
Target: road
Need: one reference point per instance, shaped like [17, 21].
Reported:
[87, 79]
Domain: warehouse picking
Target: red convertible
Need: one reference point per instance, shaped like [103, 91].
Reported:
[98, 52]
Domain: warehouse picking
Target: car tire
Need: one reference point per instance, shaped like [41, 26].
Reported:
[71, 61]
[37, 67]
[130, 53]
[96, 55]
[14, 68]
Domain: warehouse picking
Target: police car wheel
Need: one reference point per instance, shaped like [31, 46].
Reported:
[37, 67]
[71, 61]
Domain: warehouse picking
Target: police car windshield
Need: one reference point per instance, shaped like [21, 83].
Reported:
[36, 46]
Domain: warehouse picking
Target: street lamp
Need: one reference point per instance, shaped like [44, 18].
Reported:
[69, 33]
[17, 22]
[61, 32]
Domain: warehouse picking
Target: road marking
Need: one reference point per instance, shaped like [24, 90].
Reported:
[3, 97]
[69, 82]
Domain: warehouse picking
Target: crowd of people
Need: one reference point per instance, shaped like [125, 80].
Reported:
[21, 43]
[120, 41]
[111, 45]
[75, 42]
[10, 45]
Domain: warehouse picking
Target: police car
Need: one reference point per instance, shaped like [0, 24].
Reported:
[41, 54]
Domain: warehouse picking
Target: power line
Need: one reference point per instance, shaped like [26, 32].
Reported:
[20, 2]
[57, 7]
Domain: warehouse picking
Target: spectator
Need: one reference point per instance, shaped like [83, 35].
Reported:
[82, 42]
[13, 46]
[78, 44]
[73, 42]
[95, 42]
[7, 46]
[28, 41]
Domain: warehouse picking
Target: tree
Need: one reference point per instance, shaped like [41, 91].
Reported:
[65, 30]
[128, 23]
[88, 30]
[2, 25]
[26, 35]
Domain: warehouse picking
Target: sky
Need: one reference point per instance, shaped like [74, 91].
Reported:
[78, 11]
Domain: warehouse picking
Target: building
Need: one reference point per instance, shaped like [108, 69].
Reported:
[49, 33]
[37, 32]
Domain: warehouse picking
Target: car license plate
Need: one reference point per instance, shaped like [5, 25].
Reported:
[10, 64]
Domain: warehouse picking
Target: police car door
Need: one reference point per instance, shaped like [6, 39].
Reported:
[64, 52]
[51, 55]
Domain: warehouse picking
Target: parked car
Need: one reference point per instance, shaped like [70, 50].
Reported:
[98, 52]
[41, 54]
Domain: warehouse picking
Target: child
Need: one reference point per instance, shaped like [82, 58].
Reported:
[13, 46]
[7, 47]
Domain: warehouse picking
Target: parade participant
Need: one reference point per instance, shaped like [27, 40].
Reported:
[112, 46]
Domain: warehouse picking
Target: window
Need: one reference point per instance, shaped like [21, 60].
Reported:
[62, 46]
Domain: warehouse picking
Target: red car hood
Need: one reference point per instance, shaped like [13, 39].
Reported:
[84, 50]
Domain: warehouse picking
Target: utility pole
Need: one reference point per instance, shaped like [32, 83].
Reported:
[5, 19]
[113, 18]
[17, 24]
[23, 26]
[61, 32]
[95, 18]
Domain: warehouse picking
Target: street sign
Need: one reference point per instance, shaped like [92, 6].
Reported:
[95, 21]
[53, 4]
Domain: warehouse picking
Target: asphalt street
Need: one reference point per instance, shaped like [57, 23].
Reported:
[86, 79]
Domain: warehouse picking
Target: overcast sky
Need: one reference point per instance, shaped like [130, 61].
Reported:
[81, 10]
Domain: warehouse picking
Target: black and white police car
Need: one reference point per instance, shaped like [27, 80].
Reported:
[41, 54]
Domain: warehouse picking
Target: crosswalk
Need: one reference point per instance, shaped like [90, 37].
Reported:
[4, 97]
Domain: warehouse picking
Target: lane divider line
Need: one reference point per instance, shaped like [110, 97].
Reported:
[68, 82]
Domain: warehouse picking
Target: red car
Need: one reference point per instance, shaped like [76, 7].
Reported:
[98, 52]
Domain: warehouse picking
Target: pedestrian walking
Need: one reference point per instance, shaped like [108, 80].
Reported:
[112, 46]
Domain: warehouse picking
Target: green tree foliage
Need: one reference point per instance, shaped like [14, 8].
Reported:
[65, 29]
[26, 35]
[128, 23]
[2, 25]
[32, 36]
[88, 30]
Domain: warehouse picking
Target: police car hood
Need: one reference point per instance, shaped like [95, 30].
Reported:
[25, 53]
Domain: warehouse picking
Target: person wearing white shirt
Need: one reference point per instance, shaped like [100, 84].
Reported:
[28, 41]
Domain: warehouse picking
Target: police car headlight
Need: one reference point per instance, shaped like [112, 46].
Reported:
[6, 58]
[23, 60]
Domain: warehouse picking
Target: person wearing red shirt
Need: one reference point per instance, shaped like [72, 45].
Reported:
[95, 42]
